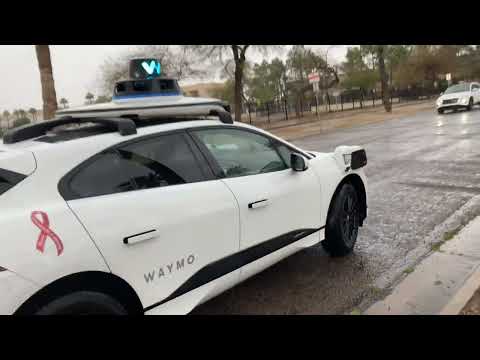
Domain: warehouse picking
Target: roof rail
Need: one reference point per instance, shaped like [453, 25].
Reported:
[224, 116]
[123, 126]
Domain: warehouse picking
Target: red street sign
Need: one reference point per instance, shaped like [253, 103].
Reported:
[313, 77]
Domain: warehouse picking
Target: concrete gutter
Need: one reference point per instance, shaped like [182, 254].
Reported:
[443, 283]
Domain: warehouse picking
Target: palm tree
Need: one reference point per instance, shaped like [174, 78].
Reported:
[89, 97]
[64, 102]
[49, 95]
[22, 113]
[6, 115]
[33, 112]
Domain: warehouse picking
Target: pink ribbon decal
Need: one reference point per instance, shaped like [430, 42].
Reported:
[40, 220]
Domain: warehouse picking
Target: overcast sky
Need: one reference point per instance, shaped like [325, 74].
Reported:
[75, 71]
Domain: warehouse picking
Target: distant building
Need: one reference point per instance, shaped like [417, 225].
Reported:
[202, 89]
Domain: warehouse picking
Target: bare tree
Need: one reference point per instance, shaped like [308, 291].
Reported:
[178, 63]
[221, 54]
[383, 78]
[49, 95]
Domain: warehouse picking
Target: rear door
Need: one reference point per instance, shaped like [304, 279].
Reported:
[156, 214]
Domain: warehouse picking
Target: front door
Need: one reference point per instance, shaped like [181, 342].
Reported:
[275, 202]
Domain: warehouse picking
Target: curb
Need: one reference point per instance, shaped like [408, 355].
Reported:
[442, 283]
[463, 296]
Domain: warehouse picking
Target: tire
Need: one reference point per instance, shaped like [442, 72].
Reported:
[343, 222]
[83, 303]
[470, 104]
[440, 111]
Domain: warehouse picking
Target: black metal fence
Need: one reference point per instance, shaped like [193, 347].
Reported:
[290, 108]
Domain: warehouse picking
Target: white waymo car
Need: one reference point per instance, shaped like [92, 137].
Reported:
[157, 210]
[459, 96]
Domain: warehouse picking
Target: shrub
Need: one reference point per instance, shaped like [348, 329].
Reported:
[20, 122]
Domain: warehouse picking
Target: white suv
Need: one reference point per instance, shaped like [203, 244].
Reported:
[459, 96]
[124, 216]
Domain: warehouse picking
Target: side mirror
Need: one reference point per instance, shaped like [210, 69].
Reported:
[298, 162]
[358, 159]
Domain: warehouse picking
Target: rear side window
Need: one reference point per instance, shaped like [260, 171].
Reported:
[9, 179]
[162, 161]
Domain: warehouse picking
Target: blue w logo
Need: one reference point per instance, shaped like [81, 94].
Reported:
[153, 67]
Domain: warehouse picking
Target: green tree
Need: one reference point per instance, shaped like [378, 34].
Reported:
[357, 74]
[302, 61]
[21, 121]
[395, 55]
[260, 86]
[49, 95]
[226, 92]
[102, 99]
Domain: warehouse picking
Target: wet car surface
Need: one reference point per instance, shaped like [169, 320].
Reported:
[422, 171]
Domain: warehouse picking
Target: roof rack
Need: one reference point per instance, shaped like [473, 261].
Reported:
[123, 126]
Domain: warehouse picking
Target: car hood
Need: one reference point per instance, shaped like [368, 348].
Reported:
[457, 95]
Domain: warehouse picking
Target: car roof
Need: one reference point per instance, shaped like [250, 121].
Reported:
[107, 137]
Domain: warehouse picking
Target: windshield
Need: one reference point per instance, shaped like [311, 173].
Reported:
[457, 88]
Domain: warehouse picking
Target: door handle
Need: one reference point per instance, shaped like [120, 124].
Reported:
[146, 235]
[257, 204]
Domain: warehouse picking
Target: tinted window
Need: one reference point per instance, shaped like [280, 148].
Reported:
[285, 153]
[9, 179]
[474, 86]
[241, 153]
[107, 174]
[162, 161]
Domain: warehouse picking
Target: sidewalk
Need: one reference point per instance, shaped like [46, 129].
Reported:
[311, 125]
[444, 283]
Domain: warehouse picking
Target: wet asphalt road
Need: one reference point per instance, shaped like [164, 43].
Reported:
[421, 170]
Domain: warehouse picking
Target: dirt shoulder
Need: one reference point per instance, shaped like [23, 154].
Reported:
[473, 306]
[311, 125]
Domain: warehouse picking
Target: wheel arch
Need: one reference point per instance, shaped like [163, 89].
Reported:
[103, 282]
[356, 181]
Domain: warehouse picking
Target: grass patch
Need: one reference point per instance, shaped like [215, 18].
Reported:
[449, 235]
[436, 246]
[408, 270]
[355, 312]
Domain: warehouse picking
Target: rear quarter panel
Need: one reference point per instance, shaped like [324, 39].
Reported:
[19, 235]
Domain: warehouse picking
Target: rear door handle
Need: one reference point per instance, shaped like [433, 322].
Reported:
[257, 204]
[143, 236]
